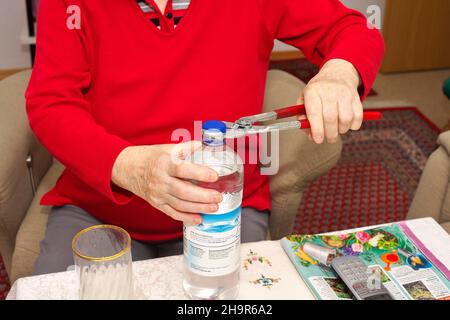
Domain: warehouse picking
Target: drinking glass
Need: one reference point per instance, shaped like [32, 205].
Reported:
[102, 256]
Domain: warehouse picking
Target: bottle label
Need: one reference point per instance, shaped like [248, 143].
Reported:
[212, 248]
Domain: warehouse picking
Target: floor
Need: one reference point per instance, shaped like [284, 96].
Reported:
[419, 89]
[6, 73]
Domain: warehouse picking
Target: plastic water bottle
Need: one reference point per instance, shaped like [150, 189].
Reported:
[212, 249]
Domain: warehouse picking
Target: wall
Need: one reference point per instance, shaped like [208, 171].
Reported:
[13, 21]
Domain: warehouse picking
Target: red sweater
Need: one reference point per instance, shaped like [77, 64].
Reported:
[118, 81]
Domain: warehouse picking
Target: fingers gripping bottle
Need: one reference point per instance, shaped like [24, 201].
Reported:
[212, 248]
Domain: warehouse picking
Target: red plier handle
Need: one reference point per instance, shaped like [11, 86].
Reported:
[300, 109]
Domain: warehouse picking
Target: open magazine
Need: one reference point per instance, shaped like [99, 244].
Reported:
[404, 266]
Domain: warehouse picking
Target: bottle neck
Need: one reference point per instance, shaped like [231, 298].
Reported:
[213, 139]
[210, 143]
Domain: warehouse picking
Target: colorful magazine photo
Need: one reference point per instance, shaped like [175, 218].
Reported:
[394, 257]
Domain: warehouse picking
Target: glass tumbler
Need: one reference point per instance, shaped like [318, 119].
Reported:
[102, 256]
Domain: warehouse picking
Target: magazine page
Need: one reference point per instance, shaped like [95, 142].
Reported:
[390, 255]
[419, 232]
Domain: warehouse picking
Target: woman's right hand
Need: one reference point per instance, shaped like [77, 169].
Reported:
[159, 175]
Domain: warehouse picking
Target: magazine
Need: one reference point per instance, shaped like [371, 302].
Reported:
[392, 253]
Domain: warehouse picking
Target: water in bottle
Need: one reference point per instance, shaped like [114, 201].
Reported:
[212, 249]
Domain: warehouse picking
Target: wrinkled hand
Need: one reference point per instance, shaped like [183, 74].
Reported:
[159, 175]
[332, 102]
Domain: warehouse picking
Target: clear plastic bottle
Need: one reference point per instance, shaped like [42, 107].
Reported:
[212, 249]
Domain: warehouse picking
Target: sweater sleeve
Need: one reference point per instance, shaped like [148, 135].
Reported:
[58, 112]
[325, 30]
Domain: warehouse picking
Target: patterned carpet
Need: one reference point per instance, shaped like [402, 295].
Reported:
[375, 180]
[4, 283]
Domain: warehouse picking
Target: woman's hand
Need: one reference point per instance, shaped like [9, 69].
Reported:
[332, 102]
[159, 175]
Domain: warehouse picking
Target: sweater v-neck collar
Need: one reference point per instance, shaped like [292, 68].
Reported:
[154, 29]
[157, 9]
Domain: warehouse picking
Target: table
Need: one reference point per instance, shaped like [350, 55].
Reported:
[152, 281]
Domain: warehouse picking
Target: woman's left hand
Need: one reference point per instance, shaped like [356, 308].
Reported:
[332, 102]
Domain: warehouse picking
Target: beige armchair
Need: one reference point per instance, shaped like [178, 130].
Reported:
[432, 198]
[25, 162]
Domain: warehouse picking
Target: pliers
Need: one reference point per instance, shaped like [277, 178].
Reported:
[246, 125]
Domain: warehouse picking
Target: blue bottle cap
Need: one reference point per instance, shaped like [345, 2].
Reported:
[214, 125]
[214, 132]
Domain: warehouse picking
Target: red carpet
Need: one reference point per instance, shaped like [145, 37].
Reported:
[376, 178]
[301, 68]
[4, 283]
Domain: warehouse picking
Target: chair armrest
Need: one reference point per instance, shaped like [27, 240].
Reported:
[17, 142]
[432, 198]
[300, 161]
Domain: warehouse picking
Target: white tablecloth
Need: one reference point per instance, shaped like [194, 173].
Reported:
[161, 278]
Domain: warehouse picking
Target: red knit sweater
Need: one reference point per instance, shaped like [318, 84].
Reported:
[118, 81]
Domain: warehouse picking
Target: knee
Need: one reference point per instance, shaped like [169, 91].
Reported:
[56, 261]
[55, 255]
[254, 225]
[56, 248]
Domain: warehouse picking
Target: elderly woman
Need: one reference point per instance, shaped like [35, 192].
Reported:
[113, 79]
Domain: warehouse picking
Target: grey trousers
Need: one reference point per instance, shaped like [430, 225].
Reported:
[66, 221]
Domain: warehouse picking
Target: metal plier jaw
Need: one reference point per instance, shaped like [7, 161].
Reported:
[246, 125]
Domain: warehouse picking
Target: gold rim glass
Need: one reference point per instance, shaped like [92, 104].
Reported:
[101, 243]
[102, 256]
